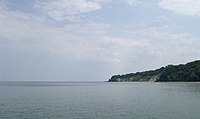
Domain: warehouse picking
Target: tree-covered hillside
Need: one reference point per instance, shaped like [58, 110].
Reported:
[189, 72]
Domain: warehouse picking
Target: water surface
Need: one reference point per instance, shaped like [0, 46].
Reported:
[99, 100]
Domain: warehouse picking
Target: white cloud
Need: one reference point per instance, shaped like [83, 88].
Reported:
[69, 9]
[126, 42]
[168, 47]
[133, 2]
[76, 42]
[15, 25]
[96, 42]
[187, 7]
[120, 48]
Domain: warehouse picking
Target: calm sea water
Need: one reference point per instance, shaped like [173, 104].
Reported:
[62, 100]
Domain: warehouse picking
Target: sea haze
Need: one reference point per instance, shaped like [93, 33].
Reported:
[99, 100]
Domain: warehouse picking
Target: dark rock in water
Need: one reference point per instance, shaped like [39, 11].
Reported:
[189, 72]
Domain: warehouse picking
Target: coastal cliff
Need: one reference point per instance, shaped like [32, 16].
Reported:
[189, 72]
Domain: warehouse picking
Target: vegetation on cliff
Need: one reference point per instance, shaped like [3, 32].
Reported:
[189, 72]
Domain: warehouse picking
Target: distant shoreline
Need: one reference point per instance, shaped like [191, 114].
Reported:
[95, 82]
[55, 81]
[189, 72]
[154, 82]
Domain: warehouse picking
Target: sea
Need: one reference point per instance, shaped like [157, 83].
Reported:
[99, 100]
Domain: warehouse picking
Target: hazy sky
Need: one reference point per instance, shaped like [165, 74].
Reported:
[90, 40]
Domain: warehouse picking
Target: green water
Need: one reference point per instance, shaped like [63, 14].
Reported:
[62, 100]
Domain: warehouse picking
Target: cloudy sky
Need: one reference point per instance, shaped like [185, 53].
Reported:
[90, 40]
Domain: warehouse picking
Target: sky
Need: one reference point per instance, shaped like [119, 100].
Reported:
[91, 40]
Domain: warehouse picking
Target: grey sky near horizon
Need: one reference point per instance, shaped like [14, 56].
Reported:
[91, 40]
